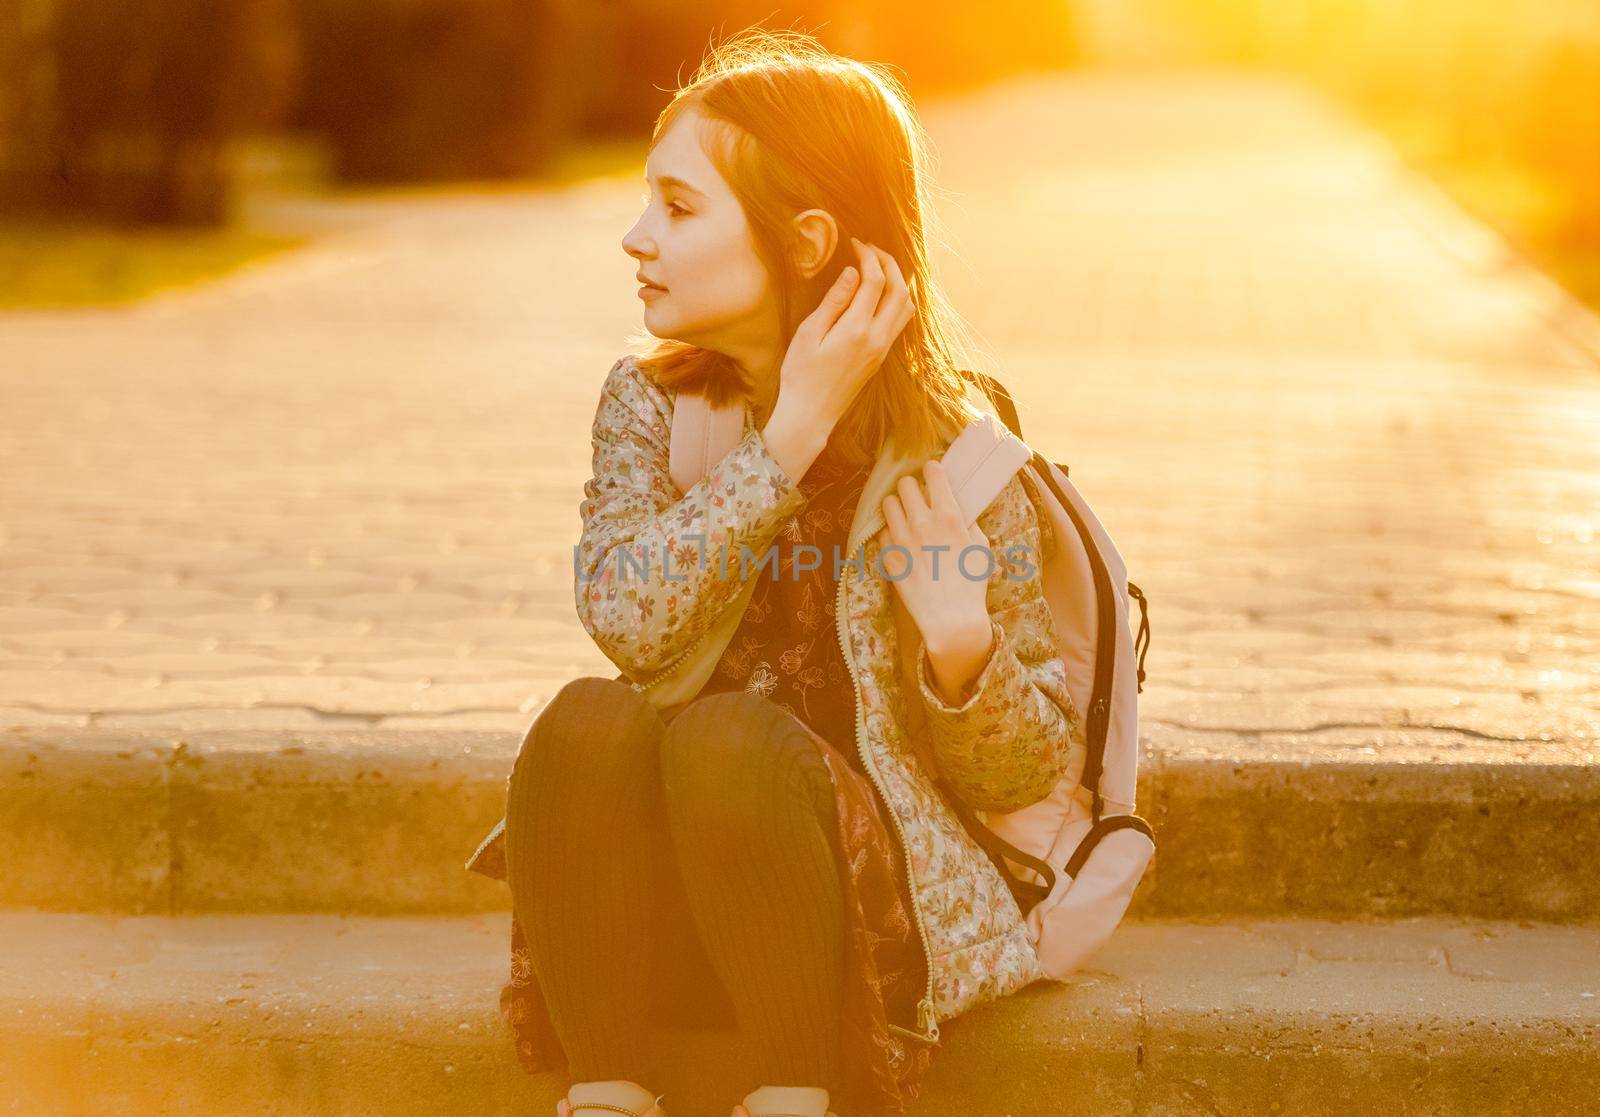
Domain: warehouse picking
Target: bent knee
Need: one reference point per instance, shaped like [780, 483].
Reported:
[587, 720]
[715, 732]
[741, 757]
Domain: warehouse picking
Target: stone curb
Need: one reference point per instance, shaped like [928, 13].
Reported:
[382, 824]
[332, 1015]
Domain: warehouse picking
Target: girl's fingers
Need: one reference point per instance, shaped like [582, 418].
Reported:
[836, 301]
[941, 497]
[891, 268]
[895, 310]
[894, 518]
[916, 504]
[898, 291]
[894, 284]
[857, 318]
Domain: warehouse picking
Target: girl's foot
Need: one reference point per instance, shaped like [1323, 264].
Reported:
[616, 1096]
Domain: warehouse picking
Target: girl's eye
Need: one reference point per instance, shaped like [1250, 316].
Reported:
[644, 199]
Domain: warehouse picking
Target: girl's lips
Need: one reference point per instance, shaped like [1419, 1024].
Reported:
[648, 292]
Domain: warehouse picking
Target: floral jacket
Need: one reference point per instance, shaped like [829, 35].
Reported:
[1012, 737]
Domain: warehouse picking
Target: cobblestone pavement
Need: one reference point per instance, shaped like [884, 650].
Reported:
[1348, 445]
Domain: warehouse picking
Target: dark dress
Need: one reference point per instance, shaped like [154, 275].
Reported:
[787, 648]
[787, 645]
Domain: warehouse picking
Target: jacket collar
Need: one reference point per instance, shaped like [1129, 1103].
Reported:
[893, 463]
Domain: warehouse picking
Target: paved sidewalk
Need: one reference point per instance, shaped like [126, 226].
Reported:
[1348, 446]
[323, 1014]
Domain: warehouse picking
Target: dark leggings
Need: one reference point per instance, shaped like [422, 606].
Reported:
[678, 872]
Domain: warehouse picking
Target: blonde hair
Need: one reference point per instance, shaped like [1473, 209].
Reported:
[797, 127]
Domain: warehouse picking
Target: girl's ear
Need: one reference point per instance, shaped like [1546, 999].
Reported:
[816, 239]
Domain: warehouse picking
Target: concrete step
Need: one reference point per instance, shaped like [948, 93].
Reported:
[316, 1014]
[382, 823]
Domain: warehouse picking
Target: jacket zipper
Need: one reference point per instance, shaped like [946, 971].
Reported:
[927, 1020]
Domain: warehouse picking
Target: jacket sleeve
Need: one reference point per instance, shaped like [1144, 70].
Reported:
[641, 618]
[1010, 739]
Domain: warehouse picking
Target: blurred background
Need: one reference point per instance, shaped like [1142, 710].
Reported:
[305, 307]
[130, 132]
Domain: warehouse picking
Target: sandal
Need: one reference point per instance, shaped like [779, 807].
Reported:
[565, 1108]
[742, 1110]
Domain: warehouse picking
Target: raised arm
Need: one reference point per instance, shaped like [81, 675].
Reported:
[638, 617]
[1012, 736]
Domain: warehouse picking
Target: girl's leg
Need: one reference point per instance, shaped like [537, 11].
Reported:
[688, 993]
[584, 860]
[751, 811]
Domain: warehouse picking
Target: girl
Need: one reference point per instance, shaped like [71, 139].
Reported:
[742, 827]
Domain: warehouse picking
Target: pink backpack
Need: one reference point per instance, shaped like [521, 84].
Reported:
[1071, 865]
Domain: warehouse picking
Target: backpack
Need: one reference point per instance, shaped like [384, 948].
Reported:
[1072, 866]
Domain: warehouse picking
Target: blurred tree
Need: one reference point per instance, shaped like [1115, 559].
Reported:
[936, 44]
[948, 44]
[442, 89]
[126, 109]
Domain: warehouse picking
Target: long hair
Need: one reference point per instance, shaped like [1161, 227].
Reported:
[793, 126]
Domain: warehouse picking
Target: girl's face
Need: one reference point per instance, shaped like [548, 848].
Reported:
[693, 240]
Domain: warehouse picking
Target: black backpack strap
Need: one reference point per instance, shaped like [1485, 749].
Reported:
[1026, 893]
[998, 396]
[1144, 631]
[1109, 824]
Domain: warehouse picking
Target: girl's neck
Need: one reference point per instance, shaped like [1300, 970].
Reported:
[763, 399]
[760, 376]
[761, 406]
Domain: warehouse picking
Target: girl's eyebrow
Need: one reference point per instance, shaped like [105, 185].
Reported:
[671, 180]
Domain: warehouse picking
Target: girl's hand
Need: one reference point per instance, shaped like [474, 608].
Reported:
[842, 343]
[950, 607]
